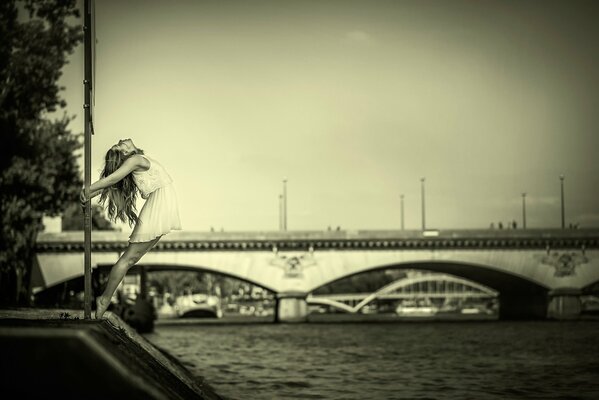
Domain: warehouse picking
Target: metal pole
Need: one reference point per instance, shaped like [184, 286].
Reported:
[143, 283]
[523, 210]
[87, 226]
[423, 206]
[280, 212]
[402, 214]
[285, 204]
[561, 178]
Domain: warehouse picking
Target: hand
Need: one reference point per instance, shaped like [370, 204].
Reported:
[82, 198]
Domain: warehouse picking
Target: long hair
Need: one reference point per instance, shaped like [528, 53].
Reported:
[119, 199]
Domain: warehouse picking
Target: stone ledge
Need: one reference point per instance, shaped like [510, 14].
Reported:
[107, 351]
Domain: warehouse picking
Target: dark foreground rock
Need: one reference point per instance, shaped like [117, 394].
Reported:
[60, 355]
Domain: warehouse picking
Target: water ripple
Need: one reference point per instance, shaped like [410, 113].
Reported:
[491, 360]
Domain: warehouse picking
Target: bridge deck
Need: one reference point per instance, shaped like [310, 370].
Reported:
[357, 239]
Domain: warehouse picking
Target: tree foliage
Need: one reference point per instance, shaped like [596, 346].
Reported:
[72, 219]
[39, 174]
[183, 282]
[367, 282]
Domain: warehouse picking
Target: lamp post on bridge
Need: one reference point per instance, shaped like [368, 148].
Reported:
[423, 206]
[524, 210]
[280, 212]
[402, 214]
[561, 178]
[284, 204]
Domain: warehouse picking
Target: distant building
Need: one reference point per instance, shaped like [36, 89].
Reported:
[52, 224]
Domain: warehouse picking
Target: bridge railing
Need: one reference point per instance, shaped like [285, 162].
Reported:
[315, 240]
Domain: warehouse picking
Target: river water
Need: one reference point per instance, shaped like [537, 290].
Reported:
[418, 360]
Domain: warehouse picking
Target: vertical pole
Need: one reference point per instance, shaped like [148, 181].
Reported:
[285, 204]
[87, 227]
[523, 210]
[280, 212]
[143, 283]
[423, 205]
[561, 178]
[402, 214]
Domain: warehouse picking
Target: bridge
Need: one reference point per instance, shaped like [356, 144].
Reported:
[537, 273]
[434, 286]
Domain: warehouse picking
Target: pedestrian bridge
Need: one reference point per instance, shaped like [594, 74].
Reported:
[536, 272]
[427, 286]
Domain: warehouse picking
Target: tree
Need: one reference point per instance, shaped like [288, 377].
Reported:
[72, 219]
[366, 282]
[39, 174]
[178, 282]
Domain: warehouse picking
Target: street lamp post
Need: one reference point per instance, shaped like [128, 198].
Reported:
[524, 210]
[284, 204]
[88, 89]
[402, 214]
[281, 212]
[423, 205]
[561, 178]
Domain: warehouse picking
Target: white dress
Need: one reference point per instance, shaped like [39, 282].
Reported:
[160, 213]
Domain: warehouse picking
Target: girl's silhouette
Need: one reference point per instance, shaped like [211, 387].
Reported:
[128, 171]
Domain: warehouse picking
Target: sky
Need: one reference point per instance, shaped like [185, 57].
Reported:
[353, 102]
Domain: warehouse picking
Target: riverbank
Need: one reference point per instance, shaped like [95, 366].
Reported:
[57, 352]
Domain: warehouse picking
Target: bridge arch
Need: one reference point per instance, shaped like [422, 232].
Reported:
[487, 275]
[399, 284]
[406, 282]
[591, 288]
[519, 296]
[331, 303]
[195, 268]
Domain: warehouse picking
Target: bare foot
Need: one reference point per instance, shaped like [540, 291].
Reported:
[101, 307]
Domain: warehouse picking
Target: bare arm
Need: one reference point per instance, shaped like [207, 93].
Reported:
[96, 188]
[130, 165]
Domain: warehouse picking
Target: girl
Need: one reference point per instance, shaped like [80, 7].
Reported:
[127, 170]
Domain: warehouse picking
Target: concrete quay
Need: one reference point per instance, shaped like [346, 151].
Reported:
[58, 354]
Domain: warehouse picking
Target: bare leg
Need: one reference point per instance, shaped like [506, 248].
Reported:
[130, 257]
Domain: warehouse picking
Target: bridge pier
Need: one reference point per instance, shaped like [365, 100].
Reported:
[564, 304]
[291, 307]
[523, 304]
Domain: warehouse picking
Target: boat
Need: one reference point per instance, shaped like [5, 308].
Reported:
[470, 310]
[409, 311]
[198, 305]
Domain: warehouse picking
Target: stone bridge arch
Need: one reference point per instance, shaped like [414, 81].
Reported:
[150, 267]
[520, 296]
